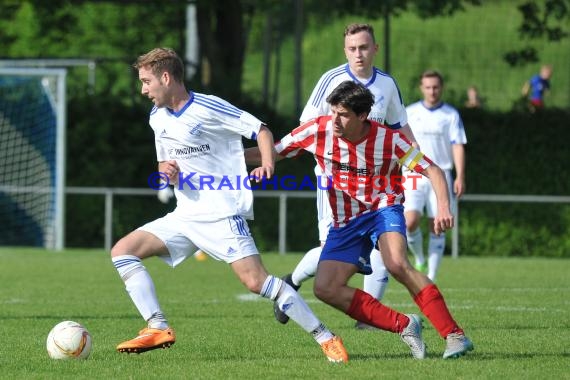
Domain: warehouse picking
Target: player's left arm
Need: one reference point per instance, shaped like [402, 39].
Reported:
[266, 149]
[458, 152]
[444, 218]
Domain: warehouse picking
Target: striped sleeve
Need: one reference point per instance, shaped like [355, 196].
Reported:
[409, 156]
[301, 138]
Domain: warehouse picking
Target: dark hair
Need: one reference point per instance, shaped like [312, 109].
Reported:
[352, 95]
[357, 28]
[432, 74]
[160, 60]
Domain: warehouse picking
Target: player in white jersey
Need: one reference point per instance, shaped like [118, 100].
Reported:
[199, 149]
[360, 48]
[439, 131]
[363, 161]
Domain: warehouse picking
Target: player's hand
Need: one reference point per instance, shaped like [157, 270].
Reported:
[443, 221]
[171, 169]
[458, 187]
[261, 172]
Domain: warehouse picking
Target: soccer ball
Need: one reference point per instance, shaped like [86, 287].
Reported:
[68, 340]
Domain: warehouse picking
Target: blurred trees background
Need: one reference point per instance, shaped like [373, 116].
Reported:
[265, 56]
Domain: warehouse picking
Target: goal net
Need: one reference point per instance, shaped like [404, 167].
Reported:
[32, 126]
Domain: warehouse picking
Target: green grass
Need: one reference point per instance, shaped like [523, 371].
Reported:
[515, 310]
[467, 48]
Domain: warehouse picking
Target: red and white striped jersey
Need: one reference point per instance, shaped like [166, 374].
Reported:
[365, 174]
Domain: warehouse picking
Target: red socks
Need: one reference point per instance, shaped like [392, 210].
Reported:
[367, 309]
[432, 305]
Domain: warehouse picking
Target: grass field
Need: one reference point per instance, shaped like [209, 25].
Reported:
[515, 310]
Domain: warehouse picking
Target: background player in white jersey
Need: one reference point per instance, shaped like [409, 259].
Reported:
[439, 131]
[363, 160]
[198, 140]
[360, 48]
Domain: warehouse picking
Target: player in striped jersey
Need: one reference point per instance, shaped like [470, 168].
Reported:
[362, 159]
[360, 48]
[200, 136]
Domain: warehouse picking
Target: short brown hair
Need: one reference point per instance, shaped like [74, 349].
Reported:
[357, 28]
[160, 60]
[432, 74]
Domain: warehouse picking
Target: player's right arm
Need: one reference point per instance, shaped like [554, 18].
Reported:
[444, 218]
[265, 147]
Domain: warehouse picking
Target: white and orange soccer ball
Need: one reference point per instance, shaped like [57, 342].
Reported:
[68, 340]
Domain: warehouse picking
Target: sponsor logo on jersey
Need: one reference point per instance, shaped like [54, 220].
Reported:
[190, 151]
[196, 130]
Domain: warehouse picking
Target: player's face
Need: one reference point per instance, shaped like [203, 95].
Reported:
[152, 87]
[431, 89]
[345, 122]
[360, 50]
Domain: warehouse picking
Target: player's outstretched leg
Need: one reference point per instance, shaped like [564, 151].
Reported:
[375, 283]
[291, 303]
[304, 270]
[433, 306]
[140, 287]
[280, 316]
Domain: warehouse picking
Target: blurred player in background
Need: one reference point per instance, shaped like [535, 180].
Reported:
[439, 131]
[202, 134]
[473, 98]
[360, 48]
[363, 160]
[536, 87]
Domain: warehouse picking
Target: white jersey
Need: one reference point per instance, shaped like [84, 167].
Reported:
[436, 130]
[205, 139]
[388, 107]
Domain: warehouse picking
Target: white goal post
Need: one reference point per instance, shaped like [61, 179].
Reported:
[32, 156]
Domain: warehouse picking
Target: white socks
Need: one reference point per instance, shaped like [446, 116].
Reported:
[416, 245]
[435, 249]
[140, 287]
[291, 303]
[307, 267]
[375, 284]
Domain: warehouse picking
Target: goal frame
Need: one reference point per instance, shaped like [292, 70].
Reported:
[60, 149]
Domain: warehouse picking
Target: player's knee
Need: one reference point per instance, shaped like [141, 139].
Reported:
[252, 283]
[398, 269]
[412, 224]
[323, 292]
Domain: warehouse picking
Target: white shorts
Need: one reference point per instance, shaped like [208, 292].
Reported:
[225, 239]
[422, 195]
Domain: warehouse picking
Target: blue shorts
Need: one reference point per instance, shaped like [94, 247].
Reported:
[353, 242]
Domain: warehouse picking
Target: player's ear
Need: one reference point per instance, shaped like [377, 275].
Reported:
[165, 78]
